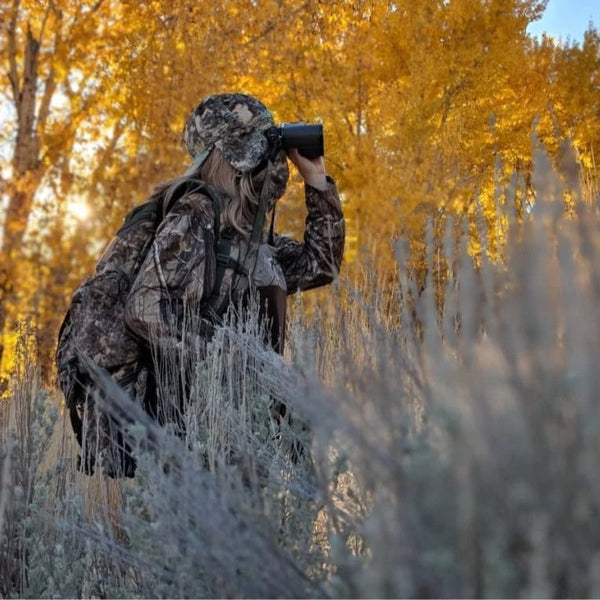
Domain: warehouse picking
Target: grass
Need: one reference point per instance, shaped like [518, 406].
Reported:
[452, 447]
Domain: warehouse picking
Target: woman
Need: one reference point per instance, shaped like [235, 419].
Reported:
[226, 137]
[210, 253]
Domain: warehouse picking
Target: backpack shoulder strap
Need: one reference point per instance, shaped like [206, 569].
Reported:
[156, 209]
[224, 260]
[143, 212]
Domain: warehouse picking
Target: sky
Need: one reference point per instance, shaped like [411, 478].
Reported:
[567, 18]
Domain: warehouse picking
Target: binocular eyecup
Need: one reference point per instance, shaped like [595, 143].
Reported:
[307, 138]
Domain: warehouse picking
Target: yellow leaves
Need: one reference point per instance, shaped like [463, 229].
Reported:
[419, 99]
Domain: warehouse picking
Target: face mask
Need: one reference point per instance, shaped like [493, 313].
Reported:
[279, 177]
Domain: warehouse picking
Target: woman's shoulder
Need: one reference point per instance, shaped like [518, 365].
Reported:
[196, 203]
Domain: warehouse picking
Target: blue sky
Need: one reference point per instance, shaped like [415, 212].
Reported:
[567, 18]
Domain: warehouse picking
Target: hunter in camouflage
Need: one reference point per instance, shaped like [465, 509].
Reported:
[180, 270]
[181, 267]
[170, 283]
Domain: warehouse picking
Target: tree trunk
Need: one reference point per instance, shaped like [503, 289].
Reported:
[26, 168]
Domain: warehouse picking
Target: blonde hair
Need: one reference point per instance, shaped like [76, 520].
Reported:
[240, 200]
[241, 197]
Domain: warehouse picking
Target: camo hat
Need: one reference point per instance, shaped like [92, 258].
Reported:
[233, 123]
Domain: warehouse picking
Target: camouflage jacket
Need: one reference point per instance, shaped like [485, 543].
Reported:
[176, 276]
[179, 272]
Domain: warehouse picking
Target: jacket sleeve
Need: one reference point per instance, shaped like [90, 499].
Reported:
[177, 272]
[317, 260]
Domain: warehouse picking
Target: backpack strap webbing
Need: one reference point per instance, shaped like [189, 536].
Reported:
[156, 210]
[261, 212]
[224, 260]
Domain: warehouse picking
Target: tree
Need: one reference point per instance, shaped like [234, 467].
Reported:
[57, 59]
[426, 107]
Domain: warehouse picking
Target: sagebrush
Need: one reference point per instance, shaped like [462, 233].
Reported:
[450, 434]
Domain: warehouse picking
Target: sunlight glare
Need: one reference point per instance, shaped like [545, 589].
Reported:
[78, 208]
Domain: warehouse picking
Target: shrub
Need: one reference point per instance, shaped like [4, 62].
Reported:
[450, 446]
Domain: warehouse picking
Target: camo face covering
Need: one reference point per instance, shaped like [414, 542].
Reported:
[280, 174]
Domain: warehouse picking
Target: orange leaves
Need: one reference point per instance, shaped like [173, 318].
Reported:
[420, 100]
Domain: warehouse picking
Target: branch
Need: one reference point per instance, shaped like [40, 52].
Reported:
[44, 111]
[97, 5]
[109, 151]
[13, 75]
[44, 21]
[27, 147]
[49, 88]
[71, 125]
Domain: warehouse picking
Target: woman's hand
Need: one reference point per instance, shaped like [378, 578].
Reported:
[312, 170]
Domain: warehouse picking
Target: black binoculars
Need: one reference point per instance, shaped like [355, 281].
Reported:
[308, 138]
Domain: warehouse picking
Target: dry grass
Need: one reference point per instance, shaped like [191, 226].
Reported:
[453, 452]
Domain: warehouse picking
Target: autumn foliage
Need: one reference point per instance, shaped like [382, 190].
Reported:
[427, 106]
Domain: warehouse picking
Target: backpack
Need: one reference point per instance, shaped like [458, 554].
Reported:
[93, 329]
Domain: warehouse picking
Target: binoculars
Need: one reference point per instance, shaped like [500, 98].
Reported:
[308, 138]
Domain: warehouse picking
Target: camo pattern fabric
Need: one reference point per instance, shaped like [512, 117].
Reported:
[104, 446]
[317, 260]
[233, 123]
[98, 305]
[169, 292]
[179, 271]
[95, 331]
